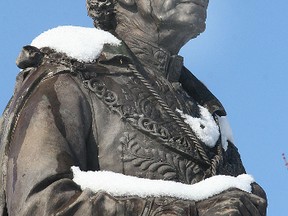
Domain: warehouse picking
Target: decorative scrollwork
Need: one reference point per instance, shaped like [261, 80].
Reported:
[136, 117]
[146, 124]
[100, 89]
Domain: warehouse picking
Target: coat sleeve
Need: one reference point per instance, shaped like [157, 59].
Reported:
[50, 137]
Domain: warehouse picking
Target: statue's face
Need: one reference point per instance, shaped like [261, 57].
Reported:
[178, 13]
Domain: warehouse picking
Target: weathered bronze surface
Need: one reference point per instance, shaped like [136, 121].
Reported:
[117, 114]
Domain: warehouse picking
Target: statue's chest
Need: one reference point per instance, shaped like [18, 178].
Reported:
[152, 107]
[155, 100]
[154, 134]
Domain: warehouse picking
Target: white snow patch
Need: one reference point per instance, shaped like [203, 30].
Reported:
[122, 185]
[226, 131]
[205, 127]
[81, 43]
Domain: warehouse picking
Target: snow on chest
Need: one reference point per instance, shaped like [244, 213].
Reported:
[81, 43]
[205, 127]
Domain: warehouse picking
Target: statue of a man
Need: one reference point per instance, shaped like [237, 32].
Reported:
[134, 110]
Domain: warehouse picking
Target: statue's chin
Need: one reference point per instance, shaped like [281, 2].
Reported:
[193, 30]
[201, 27]
[193, 24]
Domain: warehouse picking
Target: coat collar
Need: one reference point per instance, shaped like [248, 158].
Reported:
[176, 72]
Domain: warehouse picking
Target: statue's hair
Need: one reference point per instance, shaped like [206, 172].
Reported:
[103, 13]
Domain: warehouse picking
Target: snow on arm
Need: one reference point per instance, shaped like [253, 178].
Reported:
[81, 43]
[122, 185]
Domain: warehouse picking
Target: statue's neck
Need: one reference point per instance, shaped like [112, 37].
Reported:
[152, 57]
[156, 61]
[156, 48]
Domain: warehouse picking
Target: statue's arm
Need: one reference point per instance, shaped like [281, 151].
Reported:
[232, 165]
[50, 137]
[234, 201]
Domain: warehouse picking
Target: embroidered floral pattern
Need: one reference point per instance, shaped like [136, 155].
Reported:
[155, 160]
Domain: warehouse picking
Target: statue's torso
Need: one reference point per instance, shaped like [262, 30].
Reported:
[138, 130]
[136, 135]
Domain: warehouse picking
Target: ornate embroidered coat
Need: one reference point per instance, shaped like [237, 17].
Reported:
[109, 115]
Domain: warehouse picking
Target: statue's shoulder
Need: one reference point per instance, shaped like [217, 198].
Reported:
[62, 49]
[80, 44]
[195, 88]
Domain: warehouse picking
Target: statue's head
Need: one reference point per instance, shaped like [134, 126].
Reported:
[163, 12]
[103, 13]
[166, 20]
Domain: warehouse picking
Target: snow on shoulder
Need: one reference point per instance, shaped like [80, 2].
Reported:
[121, 185]
[81, 43]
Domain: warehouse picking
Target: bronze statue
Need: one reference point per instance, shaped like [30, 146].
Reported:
[122, 113]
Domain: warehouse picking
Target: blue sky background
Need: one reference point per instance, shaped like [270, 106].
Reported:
[241, 57]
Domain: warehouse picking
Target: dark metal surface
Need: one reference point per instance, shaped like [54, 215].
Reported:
[119, 114]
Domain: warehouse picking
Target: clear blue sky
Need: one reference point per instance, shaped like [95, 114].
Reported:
[242, 58]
